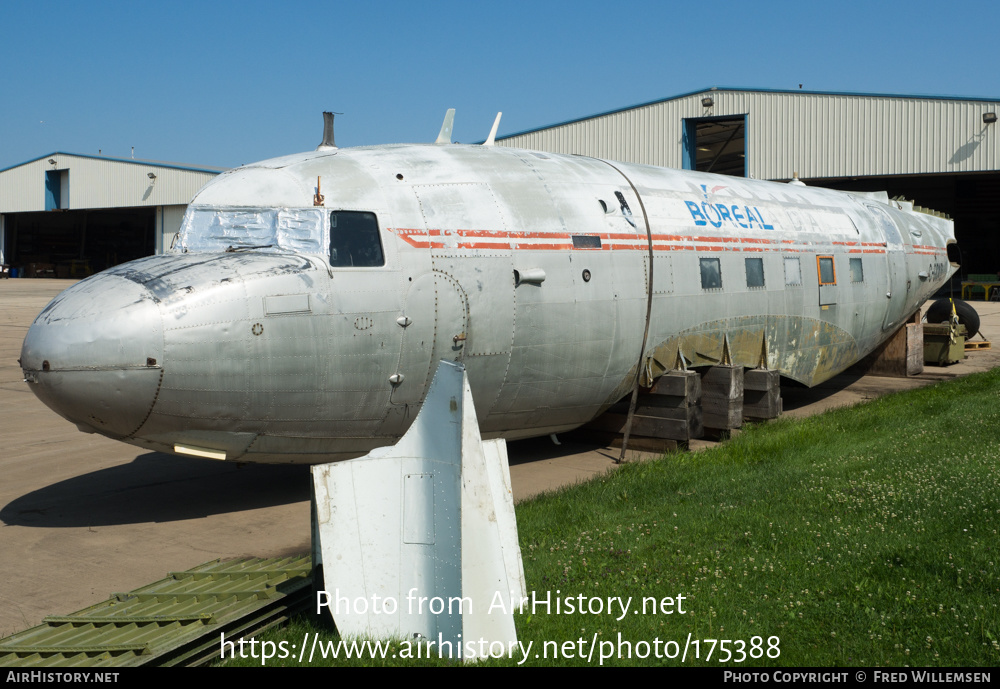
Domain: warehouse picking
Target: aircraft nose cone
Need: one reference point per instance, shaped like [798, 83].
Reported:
[95, 355]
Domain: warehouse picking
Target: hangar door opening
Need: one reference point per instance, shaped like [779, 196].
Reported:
[972, 200]
[75, 244]
[716, 144]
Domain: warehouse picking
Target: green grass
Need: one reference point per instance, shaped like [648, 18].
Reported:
[865, 536]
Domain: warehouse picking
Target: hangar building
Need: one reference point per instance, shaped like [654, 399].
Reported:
[70, 215]
[941, 152]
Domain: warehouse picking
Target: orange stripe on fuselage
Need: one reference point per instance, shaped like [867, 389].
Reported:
[623, 241]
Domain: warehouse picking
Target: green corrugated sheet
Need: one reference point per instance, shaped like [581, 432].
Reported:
[175, 621]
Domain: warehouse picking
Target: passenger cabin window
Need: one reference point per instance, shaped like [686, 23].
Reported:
[793, 272]
[857, 270]
[354, 240]
[586, 241]
[755, 272]
[711, 273]
[827, 274]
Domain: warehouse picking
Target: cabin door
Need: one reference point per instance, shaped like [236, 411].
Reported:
[826, 272]
[434, 320]
[474, 277]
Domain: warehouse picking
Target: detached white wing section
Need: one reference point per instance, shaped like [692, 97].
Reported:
[420, 538]
[492, 570]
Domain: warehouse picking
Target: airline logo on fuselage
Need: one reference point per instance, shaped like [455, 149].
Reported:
[730, 214]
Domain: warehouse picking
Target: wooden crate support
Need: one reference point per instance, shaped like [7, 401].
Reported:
[670, 410]
[676, 395]
[761, 394]
[900, 356]
[642, 443]
[722, 397]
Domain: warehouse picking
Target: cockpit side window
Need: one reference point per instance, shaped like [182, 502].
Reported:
[354, 240]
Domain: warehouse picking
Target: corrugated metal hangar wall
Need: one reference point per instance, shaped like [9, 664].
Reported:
[943, 153]
[69, 215]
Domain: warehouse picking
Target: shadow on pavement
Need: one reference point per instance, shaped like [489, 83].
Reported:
[158, 487]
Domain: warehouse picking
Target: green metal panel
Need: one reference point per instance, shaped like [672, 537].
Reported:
[174, 621]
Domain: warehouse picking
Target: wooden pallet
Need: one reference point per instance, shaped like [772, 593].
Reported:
[974, 346]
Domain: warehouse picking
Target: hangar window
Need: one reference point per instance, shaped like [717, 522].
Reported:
[755, 272]
[827, 273]
[715, 144]
[711, 273]
[793, 271]
[354, 240]
[857, 270]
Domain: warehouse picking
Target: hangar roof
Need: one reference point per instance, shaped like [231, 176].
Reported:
[157, 163]
[63, 180]
[819, 134]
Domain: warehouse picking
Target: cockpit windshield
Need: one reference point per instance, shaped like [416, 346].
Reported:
[207, 228]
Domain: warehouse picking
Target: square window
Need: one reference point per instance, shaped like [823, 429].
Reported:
[827, 274]
[711, 273]
[857, 270]
[793, 272]
[755, 272]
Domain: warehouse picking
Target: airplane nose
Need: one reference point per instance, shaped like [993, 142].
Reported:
[95, 355]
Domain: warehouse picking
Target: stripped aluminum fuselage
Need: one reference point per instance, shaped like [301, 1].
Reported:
[532, 269]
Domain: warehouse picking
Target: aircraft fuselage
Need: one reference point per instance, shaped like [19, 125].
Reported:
[278, 330]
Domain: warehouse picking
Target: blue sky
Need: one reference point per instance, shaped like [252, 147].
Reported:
[219, 83]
